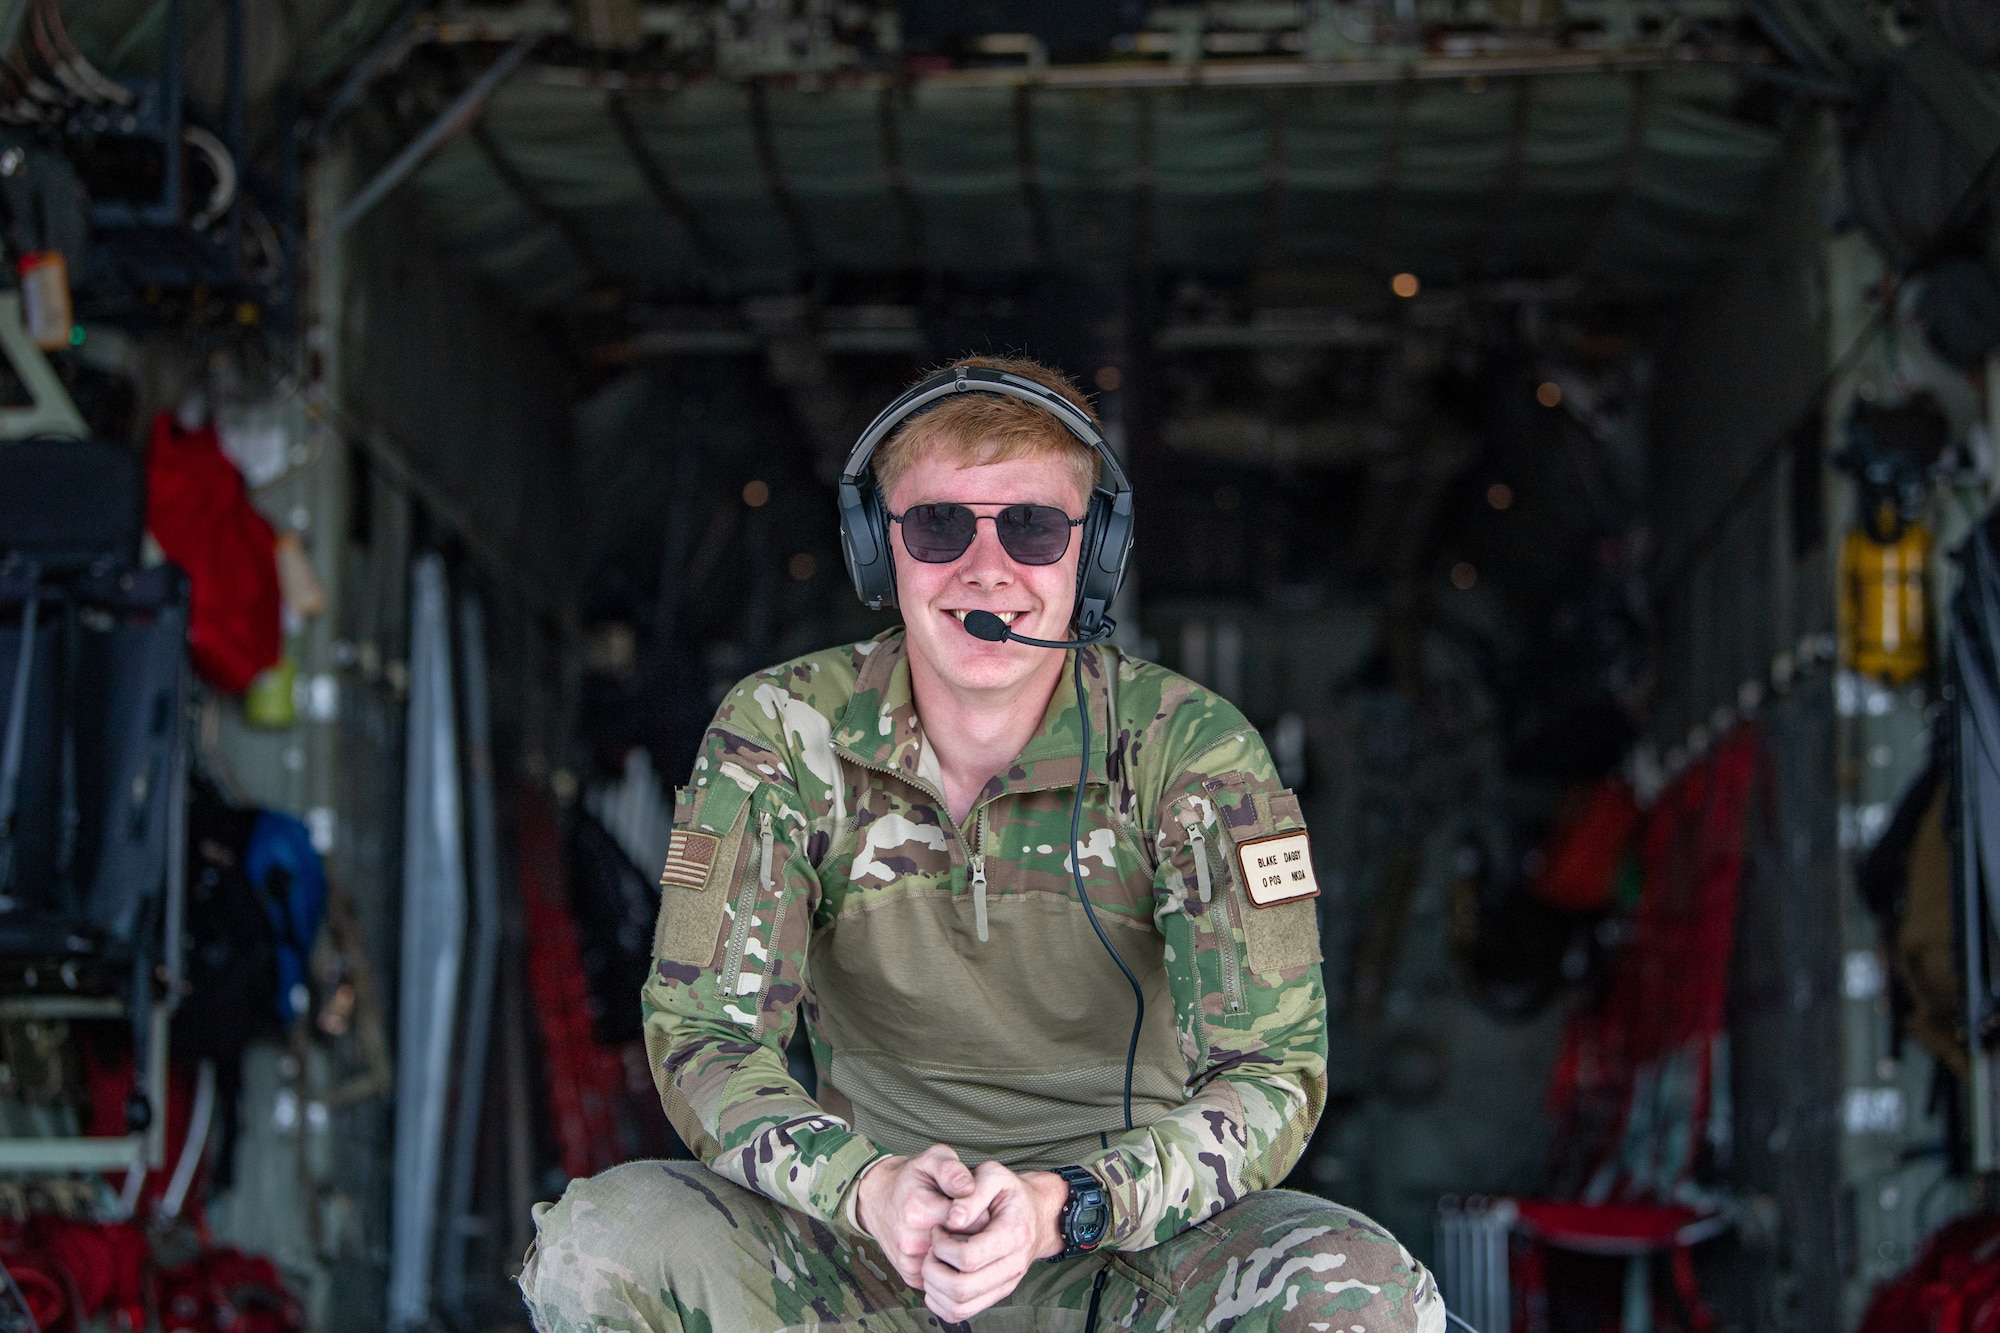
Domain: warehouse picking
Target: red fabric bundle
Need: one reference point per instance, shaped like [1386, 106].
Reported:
[228, 1289]
[70, 1272]
[1953, 1287]
[36, 1272]
[106, 1264]
[200, 513]
[1582, 870]
[585, 1079]
[1666, 1000]
[1630, 1094]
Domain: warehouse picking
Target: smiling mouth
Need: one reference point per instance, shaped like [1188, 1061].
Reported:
[1006, 617]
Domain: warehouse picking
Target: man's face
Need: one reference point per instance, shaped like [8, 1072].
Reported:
[1035, 599]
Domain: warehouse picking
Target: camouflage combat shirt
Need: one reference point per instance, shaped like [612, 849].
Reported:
[952, 987]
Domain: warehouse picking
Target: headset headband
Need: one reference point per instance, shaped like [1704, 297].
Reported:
[983, 379]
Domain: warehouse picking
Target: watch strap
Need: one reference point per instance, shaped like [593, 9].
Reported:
[1084, 1189]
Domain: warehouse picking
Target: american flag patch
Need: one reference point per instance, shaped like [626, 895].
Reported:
[690, 856]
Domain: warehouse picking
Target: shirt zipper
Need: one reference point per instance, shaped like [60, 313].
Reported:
[1218, 920]
[746, 905]
[976, 857]
[979, 876]
[886, 771]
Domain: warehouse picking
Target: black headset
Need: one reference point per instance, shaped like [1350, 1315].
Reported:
[864, 512]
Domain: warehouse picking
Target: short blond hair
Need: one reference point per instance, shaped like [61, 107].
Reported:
[981, 428]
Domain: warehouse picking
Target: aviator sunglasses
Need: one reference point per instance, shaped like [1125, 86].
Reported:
[938, 534]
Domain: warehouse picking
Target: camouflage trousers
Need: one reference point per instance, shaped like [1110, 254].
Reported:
[670, 1247]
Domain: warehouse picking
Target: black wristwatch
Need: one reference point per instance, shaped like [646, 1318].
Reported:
[1086, 1217]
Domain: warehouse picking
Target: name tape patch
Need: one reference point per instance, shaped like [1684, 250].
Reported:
[690, 856]
[1277, 869]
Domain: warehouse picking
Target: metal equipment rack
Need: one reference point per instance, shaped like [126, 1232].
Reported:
[143, 928]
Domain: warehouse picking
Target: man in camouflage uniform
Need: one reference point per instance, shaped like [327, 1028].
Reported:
[905, 883]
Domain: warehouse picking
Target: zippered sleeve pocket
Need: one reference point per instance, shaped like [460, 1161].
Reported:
[746, 958]
[1198, 916]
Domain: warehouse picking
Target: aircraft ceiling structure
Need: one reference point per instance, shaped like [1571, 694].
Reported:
[304, 46]
[1633, 177]
[657, 150]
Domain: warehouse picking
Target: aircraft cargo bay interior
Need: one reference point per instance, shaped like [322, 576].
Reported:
[519, 741]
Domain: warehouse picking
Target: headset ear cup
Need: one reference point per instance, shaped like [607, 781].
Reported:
[864, 544]
[1114, 555]
[878, 519]
[1090, 576]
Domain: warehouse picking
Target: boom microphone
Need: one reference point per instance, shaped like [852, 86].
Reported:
[985, 625]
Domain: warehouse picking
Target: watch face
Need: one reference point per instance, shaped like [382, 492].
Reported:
[1087, 1223]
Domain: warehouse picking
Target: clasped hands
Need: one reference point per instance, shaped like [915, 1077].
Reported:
[962, 1236]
